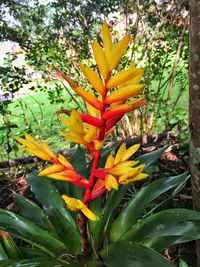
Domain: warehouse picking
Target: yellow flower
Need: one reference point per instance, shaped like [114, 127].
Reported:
[75, 204]
[120, 170]
[81, 134]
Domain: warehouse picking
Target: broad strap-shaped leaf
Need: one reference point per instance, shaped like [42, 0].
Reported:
[96, 207]
[30, 252]
[78, 161]
[9, 245]
[67, 233]
[135, 207]
[151, 157]
[105, 218]
[3, 254]
[30, 232]
[31, 211]
[172, 222]
[162, 242]
[38, 262]
[128, 254]
[47, 194]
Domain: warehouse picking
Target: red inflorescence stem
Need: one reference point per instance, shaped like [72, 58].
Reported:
[87, 194]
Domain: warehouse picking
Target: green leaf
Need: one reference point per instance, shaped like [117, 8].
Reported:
[129, 254]
[173, 222]
[47, 194]
[162, 242]
[30, 232]
[69, 235]
[3, 254]
[29, 252]
[62, 186]
[78, 161]
[182, 263]
[31, 211]
[37, 262]
[135, 207]
[96, 207]
[151, 157]
[105, 218]
[10, 247]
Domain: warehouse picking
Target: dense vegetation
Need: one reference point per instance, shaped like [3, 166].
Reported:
[55, 37]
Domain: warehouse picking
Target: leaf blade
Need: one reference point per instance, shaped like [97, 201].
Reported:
[131, 213]
[47, 194]
[67, 233]
[30, 232]
[131, 254]
[151, 157]
[31, 211]
[173, 222]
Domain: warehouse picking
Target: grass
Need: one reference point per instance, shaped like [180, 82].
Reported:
[36, 115]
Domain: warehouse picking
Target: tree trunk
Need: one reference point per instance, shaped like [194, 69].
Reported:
[194, 105]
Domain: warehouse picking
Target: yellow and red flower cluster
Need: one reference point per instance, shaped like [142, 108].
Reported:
[110, 96]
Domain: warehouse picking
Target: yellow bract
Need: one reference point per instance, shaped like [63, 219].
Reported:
[81, 134]
[52, 169]
[75, 204]
[40, 148]
[111, 182]
[88, 97]
[93, 79]
[117, 52]
[124, 93]
[101, 60]
[107, 40]
[122, 77]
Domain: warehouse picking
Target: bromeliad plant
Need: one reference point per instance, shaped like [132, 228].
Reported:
[81, 223]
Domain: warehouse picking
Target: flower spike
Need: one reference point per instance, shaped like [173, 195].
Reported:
[79, 133]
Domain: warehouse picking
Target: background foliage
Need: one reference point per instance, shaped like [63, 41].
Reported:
[58, 34]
